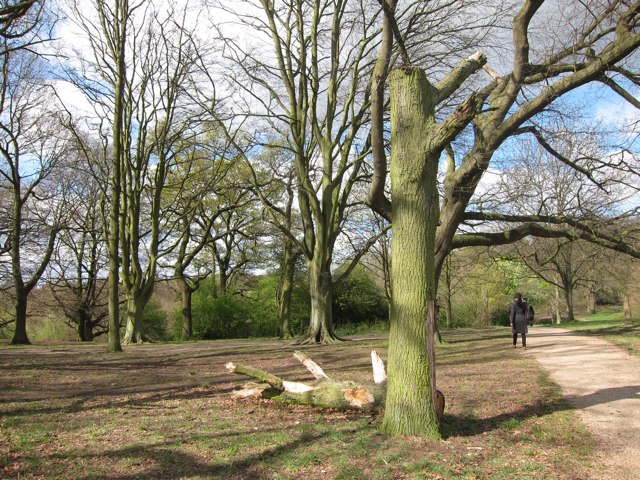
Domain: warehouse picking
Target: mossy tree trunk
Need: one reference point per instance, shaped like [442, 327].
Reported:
[287, 268]
[285, 288]
[321, 292]
[410, 407]
[116, 39]
[626, 305]
[134, 329]
[503, 109]
[186, 294]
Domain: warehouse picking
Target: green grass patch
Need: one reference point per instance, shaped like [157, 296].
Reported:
[609, 323]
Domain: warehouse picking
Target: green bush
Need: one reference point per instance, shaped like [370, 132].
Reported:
[252, 314]
[501, 316]
[51, 328]
[154, 321]
[221, 317]
[358, 300]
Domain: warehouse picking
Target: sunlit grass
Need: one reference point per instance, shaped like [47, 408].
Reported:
[503, 415]
[609, 323]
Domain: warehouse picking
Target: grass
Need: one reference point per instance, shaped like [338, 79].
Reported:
[609, 323]
[165, 411]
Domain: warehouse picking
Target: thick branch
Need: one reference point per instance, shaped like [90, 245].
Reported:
[463, 70]
[488, 239]
[521, 37]
[376, 198]
[312, 366]
[620, 91]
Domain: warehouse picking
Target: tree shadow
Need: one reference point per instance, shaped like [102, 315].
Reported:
[171, 463]
[468, 426]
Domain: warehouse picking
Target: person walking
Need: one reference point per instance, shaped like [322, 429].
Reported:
[518, 318]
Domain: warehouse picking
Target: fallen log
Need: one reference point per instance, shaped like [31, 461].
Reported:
[324, 392]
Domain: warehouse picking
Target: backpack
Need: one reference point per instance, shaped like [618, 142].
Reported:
[528, 315]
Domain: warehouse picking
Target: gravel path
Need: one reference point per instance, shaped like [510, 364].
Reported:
[602, 382]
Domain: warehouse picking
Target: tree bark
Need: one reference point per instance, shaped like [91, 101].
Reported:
[568, 298]
[321, 291]
[20, 291]
[410, 398]
[85, 323]
[626, 305]
[20, 334]
[287, 270]
[286, 289]
[119, 39]
[187, 317]
[134, 332]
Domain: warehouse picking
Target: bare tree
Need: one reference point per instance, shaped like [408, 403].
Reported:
[311, 85]
[78, 266]
[32, 151]
[153, 68]
[24, 25]
[601, 39]
[538, 183]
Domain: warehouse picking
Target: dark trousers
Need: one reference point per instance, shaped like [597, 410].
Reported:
[524, 339]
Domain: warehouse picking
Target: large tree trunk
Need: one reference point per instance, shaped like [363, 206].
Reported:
[114, 344]
[20, 334]
[568, 297]
[187, 317]
[626, 306]
[287, 271]
[286, 288]
[85, 324]
[321, 292]
[410, 406]
[134, 332]
[20, 291]
[117, 156]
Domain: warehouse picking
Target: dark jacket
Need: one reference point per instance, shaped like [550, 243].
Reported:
[517, 316]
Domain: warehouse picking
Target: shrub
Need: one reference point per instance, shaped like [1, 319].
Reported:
[154, 321]
[358, 300]
[52, 328]
[252, 314]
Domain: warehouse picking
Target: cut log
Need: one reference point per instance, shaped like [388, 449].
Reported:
[339, 395]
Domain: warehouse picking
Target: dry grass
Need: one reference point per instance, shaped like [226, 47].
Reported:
[164, 411]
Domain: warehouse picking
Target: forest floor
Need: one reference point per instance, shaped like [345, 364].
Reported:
[165, 411]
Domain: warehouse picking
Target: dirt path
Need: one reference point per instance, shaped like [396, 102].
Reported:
[603, 383]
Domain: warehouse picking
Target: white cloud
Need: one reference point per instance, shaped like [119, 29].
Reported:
[618, 114]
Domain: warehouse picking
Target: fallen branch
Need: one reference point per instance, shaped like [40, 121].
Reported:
[324, 392]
